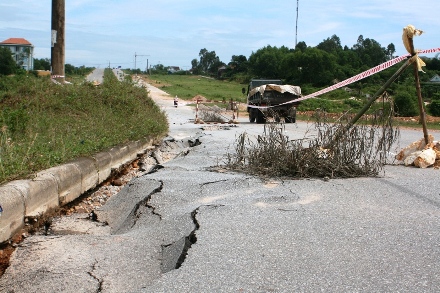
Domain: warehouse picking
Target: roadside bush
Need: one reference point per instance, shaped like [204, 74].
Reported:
[325, 105]
[434, 108]
[355, 104]
[405, 104]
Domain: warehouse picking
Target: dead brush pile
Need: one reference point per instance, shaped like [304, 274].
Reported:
[210, 114]
[336, 151]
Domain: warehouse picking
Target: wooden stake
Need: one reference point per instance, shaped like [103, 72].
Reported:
[419, 94]
[371, 101]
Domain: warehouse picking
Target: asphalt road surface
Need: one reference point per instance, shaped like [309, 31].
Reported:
[186, 228]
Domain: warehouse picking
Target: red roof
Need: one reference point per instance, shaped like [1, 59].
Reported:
[16, 41]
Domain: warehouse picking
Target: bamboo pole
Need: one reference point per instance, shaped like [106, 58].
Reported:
[380, 91]
[372, 99]
[419, 94]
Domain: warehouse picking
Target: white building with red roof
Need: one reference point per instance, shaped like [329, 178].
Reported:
[22, 52]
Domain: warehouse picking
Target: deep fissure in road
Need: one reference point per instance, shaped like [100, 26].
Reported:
[174, 254]
[180, 248]
[137, 211]
[91, 274]
[190, 240]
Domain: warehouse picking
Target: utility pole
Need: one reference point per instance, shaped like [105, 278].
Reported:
[296, 28]
[57, 50]
[135, 56]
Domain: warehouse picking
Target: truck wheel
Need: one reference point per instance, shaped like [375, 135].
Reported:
[290, 119]
[292, 116]
[261, 119]
[252, 115]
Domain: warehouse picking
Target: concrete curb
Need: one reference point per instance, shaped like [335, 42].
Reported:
[12, 218]
[57, 186]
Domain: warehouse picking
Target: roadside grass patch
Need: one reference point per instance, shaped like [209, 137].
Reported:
[188, 86]
[43, 124]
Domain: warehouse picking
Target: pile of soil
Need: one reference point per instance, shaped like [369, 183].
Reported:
[199, 98]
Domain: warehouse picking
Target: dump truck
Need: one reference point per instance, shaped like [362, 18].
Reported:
[271, 98]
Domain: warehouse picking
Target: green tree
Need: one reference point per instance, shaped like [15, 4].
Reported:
[195, 66]
[291, 68]
[370, 52]
[317, 67]
[433, 64]
[405, 103]
[391, 49]
[239, 63]
[266, 62]
[7, 63]
[301, 46]
[434, 106]
[69, 69]
[42, 64]
[158, 69]
[331, 45]
[349, 61]
[209, 62]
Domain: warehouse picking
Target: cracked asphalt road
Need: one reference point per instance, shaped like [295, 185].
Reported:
[184, 228]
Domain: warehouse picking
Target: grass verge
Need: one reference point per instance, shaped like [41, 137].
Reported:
[45, 124]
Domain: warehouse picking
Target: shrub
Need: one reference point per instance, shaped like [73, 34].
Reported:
[405, 104]
[355, 104]
[7, 63]
[434, 108]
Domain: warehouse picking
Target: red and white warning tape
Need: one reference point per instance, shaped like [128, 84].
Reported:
[355, 78]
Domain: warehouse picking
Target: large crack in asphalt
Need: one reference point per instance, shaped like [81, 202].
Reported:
[122, 215]
[91, 274]
[174, 254]
[146, 203]
[189, 240]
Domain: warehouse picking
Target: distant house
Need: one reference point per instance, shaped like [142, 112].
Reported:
[435, 79]
[22, 52]
[173, 69]
[221, 70]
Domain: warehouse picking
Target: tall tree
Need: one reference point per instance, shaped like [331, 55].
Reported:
[239, 63]
[370, 52]
[266, 62]
[317, 67]
[391, 49]
[7, 63]
[331, 45]
[195, 66]
[209, 61]
[301, 46]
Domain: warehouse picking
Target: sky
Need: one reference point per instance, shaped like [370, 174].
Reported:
[100, 33]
